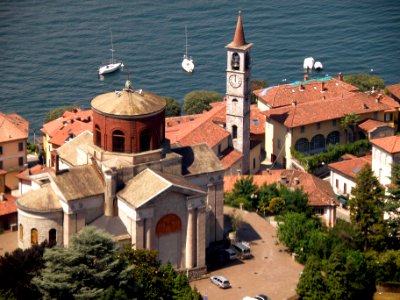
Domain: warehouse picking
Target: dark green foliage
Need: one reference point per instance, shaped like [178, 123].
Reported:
[388, 266]
[31, 148]
[365, 82]
[173, 108]
[198, 101]
[312, 283]
[276, 206]
[244, 191]
[17, 270]
[264, 195]
[58, 112]
[85, 269]
[349, 123]
[333, 153]
[295, 201]
[366, 209]
[392, 207]
[257, 84]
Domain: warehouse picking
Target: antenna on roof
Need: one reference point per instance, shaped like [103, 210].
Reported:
[128, 83]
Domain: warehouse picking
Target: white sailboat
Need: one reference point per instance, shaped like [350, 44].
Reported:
[113, 65]
[187, 62]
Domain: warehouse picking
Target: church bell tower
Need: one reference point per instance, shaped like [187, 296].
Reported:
[238, 73]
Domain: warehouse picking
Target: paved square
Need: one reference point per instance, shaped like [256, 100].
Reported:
[272, 271]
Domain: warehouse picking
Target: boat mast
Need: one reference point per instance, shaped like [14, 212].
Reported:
[186, 40]
[112, 48]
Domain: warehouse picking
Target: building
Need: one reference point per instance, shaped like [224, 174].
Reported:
[8, 209]
[59, 131]
[14, 132]
[321, 197]
[306, 116]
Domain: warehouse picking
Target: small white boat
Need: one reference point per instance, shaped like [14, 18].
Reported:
[318, 65]
[187, 62]
[113, 65]
[308, 63]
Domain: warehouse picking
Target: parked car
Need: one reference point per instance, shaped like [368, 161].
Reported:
[261, 297]
[231, 253]
[220, 281]
[243, 250]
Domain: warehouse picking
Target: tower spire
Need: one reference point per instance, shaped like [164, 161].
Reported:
[238, 39]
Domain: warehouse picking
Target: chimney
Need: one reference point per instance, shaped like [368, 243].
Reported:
[378, 98]
[340, 76]
[283, 180]
[56, 162]
[305, 77]
[294, 103]
[301, 87]
[322, 86]
[296, 180]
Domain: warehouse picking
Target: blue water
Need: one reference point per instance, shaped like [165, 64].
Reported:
[50, 50]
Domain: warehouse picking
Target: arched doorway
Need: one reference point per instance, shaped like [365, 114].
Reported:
[34, 236]
[52, 236]
[118, 141]
[169, 238]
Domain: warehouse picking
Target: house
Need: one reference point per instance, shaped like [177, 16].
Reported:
[394, 91]
[14, 132]
[63, 129]
[321, 197]
[8, 208]
[306, 116]
[373, 129]
[32, 178]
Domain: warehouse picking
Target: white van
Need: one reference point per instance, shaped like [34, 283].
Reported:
[242, 249]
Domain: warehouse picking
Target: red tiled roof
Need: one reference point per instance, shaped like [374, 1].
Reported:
[319, 192]
[394, 90]
[284, 95]
[7, 206]
[390, 144]
[70, 129]
[230, 157]
[351, 166]
[38, 169]
[52, 127]
[370, 124]
[13, 127]
[335, 108]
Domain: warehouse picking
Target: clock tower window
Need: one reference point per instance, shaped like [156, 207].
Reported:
[235, 63]
[234, 132]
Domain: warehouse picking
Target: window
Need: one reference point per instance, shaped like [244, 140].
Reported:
[388, 117]
[235, 62]
[376, 115]
[52, 236]
[302, 145]
[317, 142]
[145, 139]
[334, 122]
[302, 129]
[234, 132]
[337, 183]
[219, 149]
[118, 141]
[247, 62]
[34, 236]
[319, 211]
[235, 101]
[254, 163]
[20, 146]
[1, 164]
[344, 188]
[97, 136]
[20, 161]
[333, 138]
[21, 232]
[318, 125]
[1, 150]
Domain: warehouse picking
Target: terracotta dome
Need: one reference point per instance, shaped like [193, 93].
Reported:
[128, 103]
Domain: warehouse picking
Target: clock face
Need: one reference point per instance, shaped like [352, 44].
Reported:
[235, 80]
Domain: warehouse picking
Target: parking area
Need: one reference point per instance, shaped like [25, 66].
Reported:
[271, 271]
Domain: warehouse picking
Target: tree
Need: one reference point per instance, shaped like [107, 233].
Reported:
[349, 122]
[312, 283]
[256, 84]
[198, 101]
[173, 108]
[244, 191]
[392, 206]
[58, 112]
[365, 82]
[17, 270]
[366, 209]
[276, 206]
[295, 201]
[87, 268]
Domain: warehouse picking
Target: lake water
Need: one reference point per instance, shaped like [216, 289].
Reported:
[50, 50]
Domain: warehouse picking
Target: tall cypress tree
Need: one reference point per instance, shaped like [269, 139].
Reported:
[367, 209]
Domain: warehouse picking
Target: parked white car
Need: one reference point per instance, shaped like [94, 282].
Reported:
[220, 281]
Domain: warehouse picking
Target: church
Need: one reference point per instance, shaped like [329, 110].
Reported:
[125, 177]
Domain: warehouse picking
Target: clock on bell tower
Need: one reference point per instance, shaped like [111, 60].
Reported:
[238, 73]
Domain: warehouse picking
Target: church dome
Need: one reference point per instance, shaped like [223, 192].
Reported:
[128, 103]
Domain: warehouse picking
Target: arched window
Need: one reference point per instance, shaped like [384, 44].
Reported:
[97, 140]
[145, 139]
[168, 224]
[333, 138]
[317, 143]
[118, 141]
[21, 232]
[235, 101]
[34, 236]
[234, 132]
[302, 145]
[247, 61]
[52, 236]
[235, 63]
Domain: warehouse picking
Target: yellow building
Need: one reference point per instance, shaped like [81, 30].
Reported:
[306, 116]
